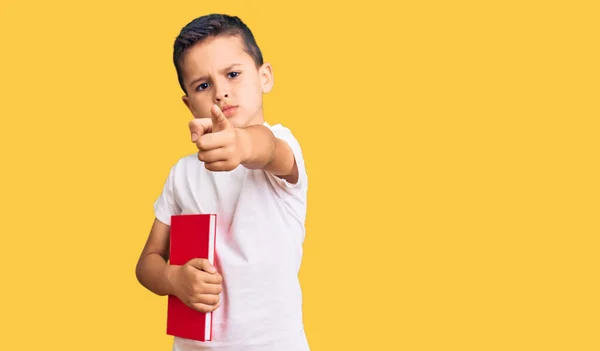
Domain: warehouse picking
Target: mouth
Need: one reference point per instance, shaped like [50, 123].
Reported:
[229, 110]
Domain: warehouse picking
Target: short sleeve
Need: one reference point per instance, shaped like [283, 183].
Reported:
[286, 135]
[165, 205]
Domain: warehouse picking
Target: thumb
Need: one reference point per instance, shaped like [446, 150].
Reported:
[203, 265]
[199, 127]
[219, 120]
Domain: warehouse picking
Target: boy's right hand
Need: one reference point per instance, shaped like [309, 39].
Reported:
[197, 284]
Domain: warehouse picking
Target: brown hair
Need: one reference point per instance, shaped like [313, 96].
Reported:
[209, 26]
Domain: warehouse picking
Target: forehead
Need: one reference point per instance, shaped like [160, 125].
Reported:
[215, 53]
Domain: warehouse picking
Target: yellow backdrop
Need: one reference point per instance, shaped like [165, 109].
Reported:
[452, 149]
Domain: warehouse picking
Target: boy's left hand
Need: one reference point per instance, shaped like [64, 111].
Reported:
[218, 142]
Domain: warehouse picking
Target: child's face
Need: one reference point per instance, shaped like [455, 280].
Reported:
[219, 71]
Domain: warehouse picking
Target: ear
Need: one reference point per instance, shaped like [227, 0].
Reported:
[186, 101]
[265, 73]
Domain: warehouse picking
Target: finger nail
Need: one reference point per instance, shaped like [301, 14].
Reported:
[194, 137]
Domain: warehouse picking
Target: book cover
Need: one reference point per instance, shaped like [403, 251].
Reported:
[191, 236]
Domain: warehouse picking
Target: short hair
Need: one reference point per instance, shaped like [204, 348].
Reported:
[213, 25]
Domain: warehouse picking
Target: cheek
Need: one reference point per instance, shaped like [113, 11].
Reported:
[248, 94]
[253, 92]
[250, 98]
[199, 107]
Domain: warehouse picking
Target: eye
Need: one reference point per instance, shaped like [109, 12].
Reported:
[202, 86]
[233, 74]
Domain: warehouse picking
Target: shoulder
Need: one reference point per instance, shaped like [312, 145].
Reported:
[187, 161]
[182, 162]
[185, 166]
[281, 131]
[167, 204]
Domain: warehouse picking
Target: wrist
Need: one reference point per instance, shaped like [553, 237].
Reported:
[171, 274]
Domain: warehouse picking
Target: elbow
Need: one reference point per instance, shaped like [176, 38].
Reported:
[139, 271]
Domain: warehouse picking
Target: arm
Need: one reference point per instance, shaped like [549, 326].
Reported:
[225, 147]
[262, 150]
[152, 270]
[196, 283]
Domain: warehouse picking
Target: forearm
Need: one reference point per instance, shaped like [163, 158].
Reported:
[262, 150]
[155, 274]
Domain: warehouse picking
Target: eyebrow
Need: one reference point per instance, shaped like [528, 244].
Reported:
[223, 70]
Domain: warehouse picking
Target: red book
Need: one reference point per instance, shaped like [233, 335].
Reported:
[192, 236]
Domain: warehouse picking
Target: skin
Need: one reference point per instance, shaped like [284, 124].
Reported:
[217, 74]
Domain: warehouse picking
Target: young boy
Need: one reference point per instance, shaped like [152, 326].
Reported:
[252, 175]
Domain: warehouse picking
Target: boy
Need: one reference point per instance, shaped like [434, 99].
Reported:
[253, 176]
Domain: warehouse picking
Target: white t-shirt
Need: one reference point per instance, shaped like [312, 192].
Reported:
[260, 232]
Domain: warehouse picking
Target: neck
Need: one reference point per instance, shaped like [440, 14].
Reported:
[258, 118]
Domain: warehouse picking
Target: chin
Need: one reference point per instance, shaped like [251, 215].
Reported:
[238, 121]
[241, 120]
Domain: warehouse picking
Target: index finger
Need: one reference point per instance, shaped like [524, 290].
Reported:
[210, 278]
[219, 120]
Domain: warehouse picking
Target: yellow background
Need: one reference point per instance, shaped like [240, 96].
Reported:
[452, 149]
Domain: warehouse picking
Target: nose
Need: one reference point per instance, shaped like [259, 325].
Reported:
[221, 97]
[221, 91]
